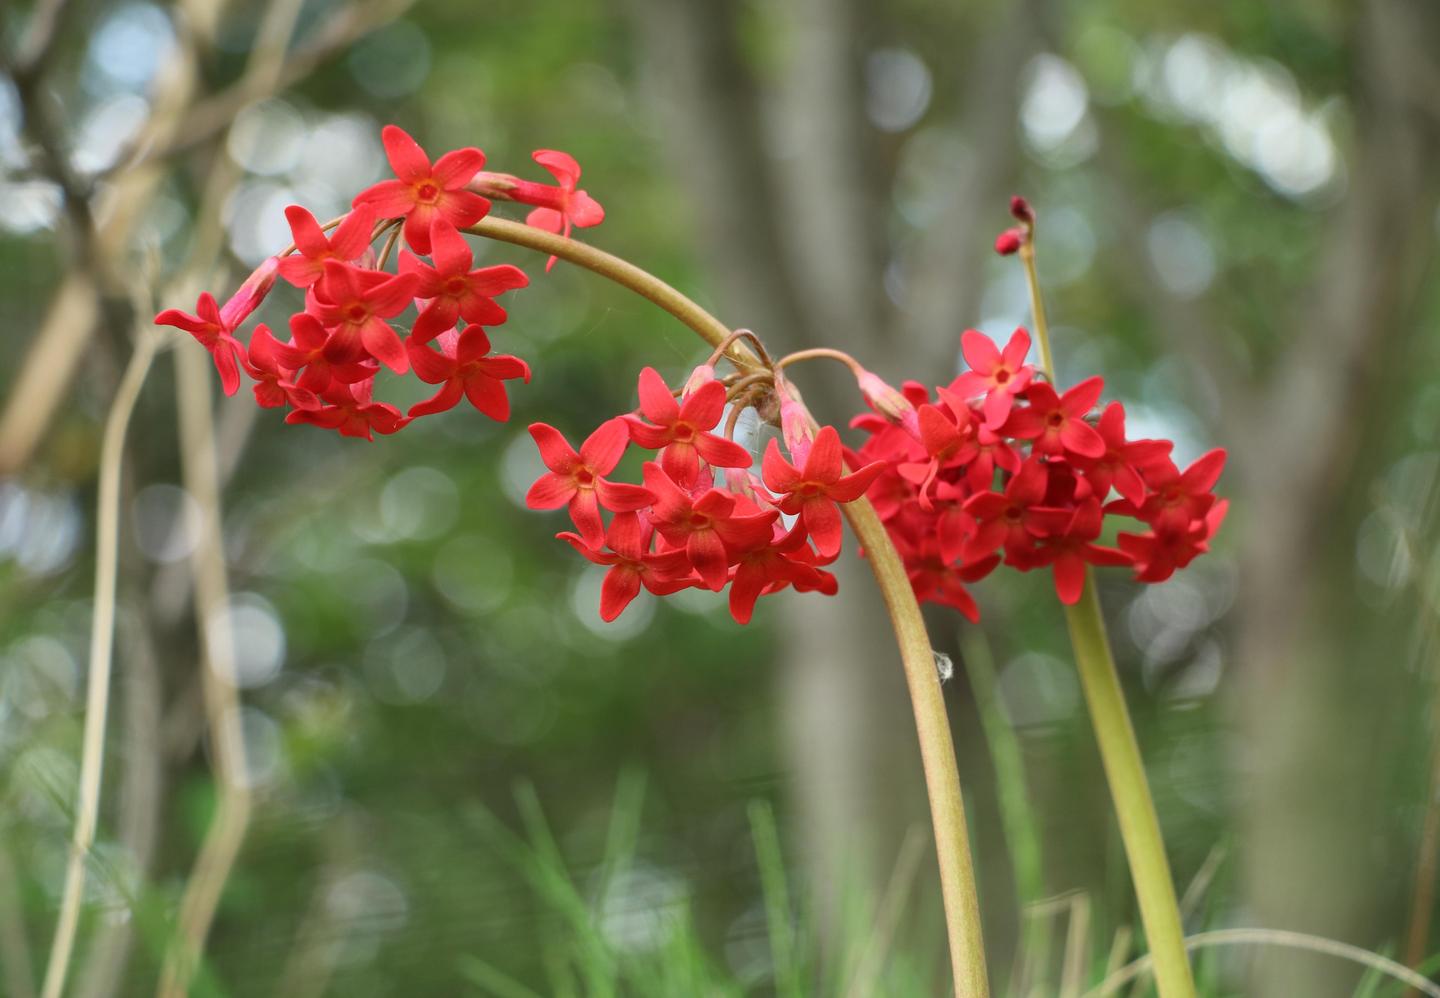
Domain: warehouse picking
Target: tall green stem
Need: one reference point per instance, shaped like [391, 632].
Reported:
[937, 750]
[1130, 792]
[1119, 751]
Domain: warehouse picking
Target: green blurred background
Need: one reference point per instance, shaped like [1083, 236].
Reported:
[1237, 223]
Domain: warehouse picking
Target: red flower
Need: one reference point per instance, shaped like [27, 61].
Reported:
[351, 237]
[208, 328]
[771, 566]
[579, 479]
[463, 366]
[1177, 499]
[999, 375]
[813, 492]
[938, 581]
[1157, 554]
[354, 304]
[1067, 553]
[423, 192]
[683, 430]
[352, 411]
[1056, 423]
[946, 441]
[559, 207]
[632, 565]
[454, 290]
[274, 383]
[1123, 460]
[1013, 518]
[306, 350]
[707, 528]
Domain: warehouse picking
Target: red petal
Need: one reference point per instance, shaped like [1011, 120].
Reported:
[488, 395]
[385, 345]
[626, 536]
[980, 351]
[1069, 578]
[822, 521]
[352, 235]
[656, 402]
[388, 199]
[585, 513]
[722, 453]
[309, 238]
[622, 497]
[824, 462]
[457, 168]
[621, 585]
[1202, 475]
[602, 450]
[555, 450]
[1079, 437]
[1082, 398]
[562, 166]
[406, 157]
[779, 474]
[1016, 349]
[446, 398]
[550, 491]
[449, 249]
[707, 554]
[703, 407]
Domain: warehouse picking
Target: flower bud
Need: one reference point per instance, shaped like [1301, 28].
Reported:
[702, 375]
[250, 295]
[1009, 241]
[888, 402]
[796, 424]
[1020, 208]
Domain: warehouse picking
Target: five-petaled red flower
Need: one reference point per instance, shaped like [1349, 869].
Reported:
[464, 367]
[578, 479]
[454, 290]
[813, 492]
[208, 328]
[684, 430]
[307, 265]
[632, 564]
[422, 193]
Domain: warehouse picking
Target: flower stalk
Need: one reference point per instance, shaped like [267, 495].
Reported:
[1115, 734]
[937, 750]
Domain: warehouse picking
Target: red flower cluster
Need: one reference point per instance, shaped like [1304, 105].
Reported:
[998, 465]
[683, 528]
[346, 330]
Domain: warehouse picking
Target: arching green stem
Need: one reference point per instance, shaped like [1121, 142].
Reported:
[937, 750]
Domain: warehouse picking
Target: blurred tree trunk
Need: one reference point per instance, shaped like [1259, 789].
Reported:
[1311, 723]
[793, 212]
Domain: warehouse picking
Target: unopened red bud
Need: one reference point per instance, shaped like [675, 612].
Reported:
[796, 424]
[494, 185]
[1020, 208]
[1009, 241]
[888, 401]
[250, 295]
[701, 376]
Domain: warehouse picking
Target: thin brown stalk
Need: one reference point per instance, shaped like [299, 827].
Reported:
[19, 975]
[1280, 938]
[102, 646]
[1077, 943]
[866, 979]
[220, 694]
